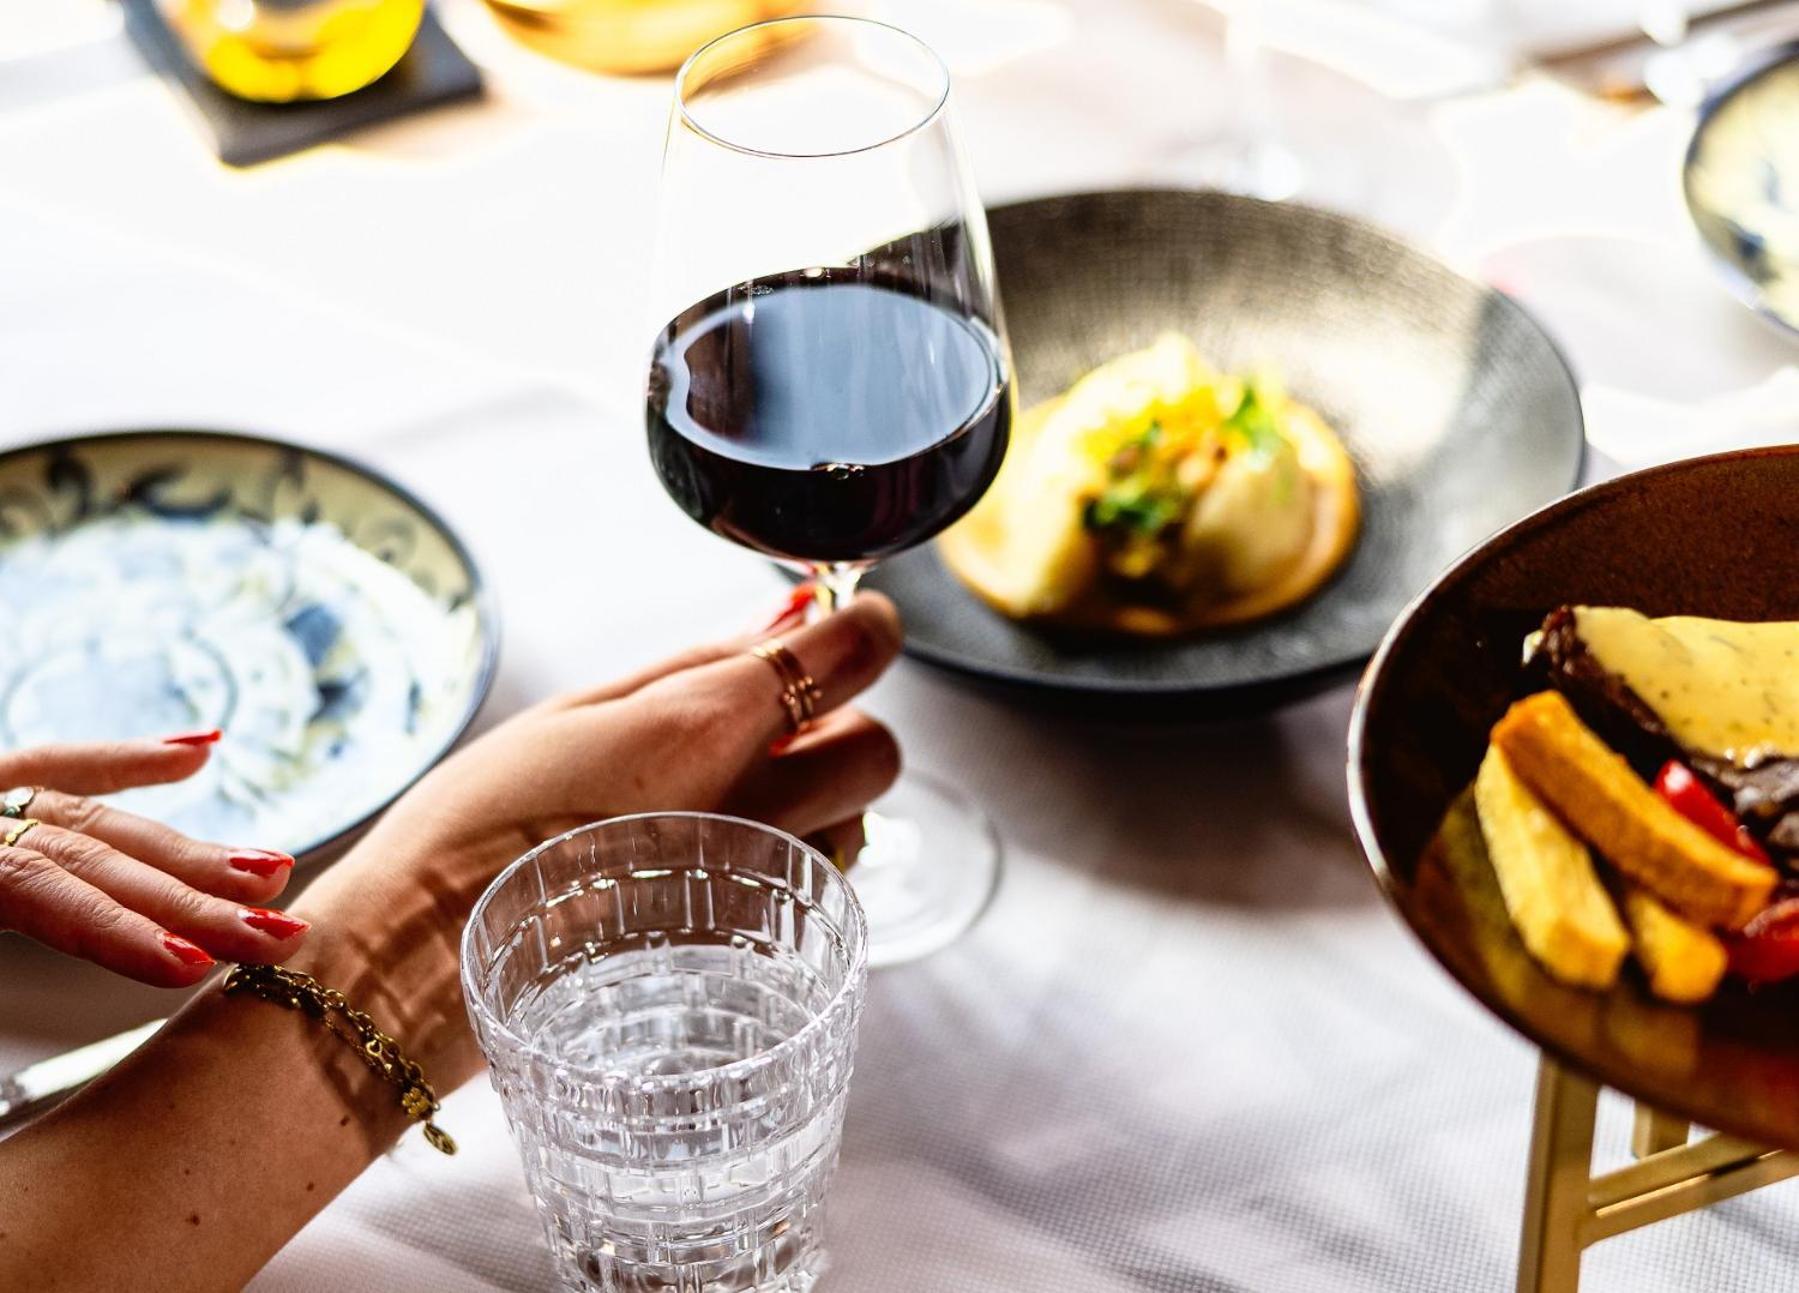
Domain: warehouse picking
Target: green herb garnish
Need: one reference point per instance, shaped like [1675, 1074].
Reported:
[1140, 498]
[1131, 505]
[1262, 435]
[1256, 423]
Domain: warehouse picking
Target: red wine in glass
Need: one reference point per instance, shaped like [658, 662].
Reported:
[827, 417]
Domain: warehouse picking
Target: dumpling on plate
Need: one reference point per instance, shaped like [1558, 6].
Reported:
[1158, 496]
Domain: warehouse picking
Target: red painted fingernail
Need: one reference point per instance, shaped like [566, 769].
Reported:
[262, 862]
[184, 951]
[276, 924]
[780, 743]
[194, 738]
[794, 609]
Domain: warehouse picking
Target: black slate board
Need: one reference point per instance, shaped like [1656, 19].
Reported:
[434, 71]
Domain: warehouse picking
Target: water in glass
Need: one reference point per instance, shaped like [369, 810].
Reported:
[669, 1008]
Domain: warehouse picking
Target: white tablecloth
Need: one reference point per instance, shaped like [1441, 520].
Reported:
[1188, 1049]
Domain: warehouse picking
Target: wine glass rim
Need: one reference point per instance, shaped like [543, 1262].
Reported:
[930, 114]
[856, 934]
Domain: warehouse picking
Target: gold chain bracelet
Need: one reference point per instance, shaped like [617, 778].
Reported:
[300, 991]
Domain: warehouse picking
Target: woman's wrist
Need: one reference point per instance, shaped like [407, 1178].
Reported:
[394, 952]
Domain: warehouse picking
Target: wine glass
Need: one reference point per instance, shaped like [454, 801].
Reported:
[830, 383]
[1248, 155]
[1684, 64]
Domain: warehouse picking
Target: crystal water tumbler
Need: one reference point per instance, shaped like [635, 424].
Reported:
[668, 1005]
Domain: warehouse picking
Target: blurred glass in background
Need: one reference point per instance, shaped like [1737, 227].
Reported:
[1685, 64]
[632, 36]
[1248, 153]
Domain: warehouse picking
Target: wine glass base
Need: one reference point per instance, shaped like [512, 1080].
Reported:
[1257, 168]
[928, 870]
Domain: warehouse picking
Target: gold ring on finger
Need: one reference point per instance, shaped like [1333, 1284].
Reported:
[19, 832]
[800, 695]
[17, 801]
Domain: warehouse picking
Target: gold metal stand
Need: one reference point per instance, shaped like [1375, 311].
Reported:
[1567, 1208]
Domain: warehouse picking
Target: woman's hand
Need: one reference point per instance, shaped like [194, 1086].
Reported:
[239, 1120]
[703, 732]
[127, 893]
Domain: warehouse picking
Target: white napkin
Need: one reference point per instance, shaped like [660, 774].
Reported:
[107, 331]
[1671, 365]
[1636, 430]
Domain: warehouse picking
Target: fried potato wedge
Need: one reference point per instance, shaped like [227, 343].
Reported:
[1596, 793]
[1684, 961]
[1560, 909]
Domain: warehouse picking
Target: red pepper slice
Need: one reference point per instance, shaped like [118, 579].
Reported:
[1687, 795]
[1768, 948]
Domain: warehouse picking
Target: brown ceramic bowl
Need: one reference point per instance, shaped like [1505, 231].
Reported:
[1715, 536]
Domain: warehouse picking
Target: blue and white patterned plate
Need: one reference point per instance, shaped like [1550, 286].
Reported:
[1742, 183]
[165, 581]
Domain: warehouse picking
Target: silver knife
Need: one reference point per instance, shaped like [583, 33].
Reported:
[36, 1087]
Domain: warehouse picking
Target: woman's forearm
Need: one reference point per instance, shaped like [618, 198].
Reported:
[220, 1138]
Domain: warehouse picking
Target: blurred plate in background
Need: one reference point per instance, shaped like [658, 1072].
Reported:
[1460, 413]
[1742, 184]
[165, 581]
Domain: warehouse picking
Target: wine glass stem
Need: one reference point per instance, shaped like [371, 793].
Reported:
[1245, 55]
[836, 584]
[1665, 22]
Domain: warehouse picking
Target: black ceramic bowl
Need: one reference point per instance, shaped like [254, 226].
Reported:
[1458, 410]
[1715, 536]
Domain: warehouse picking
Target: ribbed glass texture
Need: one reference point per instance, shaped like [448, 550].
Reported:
[668, 1005]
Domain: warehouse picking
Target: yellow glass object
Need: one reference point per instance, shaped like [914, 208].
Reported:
[632, 36]
[279, 51]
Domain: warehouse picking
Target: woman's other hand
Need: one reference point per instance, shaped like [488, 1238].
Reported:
[126, 893]
[704, 731]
